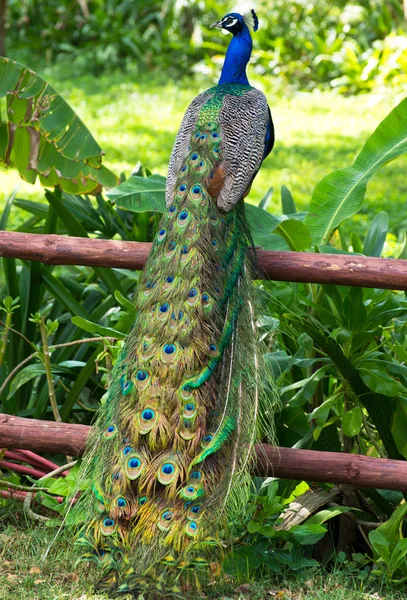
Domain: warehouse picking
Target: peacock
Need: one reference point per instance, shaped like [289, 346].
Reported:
[169, 459]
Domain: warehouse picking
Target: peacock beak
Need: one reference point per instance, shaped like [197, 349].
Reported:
[218, 24]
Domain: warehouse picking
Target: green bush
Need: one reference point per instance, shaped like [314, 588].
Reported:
[300, 43]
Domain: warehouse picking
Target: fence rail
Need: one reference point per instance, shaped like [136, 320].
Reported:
[306, 267]
[288, 463]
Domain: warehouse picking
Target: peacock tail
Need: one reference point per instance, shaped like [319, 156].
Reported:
[170, 454]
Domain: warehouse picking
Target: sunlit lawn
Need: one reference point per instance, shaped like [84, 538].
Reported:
[136, 119]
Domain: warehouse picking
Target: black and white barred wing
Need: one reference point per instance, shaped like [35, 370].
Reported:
[244, 124]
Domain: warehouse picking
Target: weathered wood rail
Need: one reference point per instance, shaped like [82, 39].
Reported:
[288, 463]
[306, 267]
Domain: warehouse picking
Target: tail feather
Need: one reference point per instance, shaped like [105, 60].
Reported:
[173, 443]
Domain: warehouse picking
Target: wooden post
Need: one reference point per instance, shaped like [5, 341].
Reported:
[288, 463]
[337, 269]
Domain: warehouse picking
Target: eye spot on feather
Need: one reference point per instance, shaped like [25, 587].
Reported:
[194, 512]
[193, 296]
[134, 466]
[201, 166]
[163, 311]
[206, 301]
[214, 136]
[194, 157]
[197, 135]
[164, 524]
[127, 450]
[182, 190]
[110, 432]
[147, 414]
[108, 526]
[213, 350]
[150, 285]
[172, 209]
[183, 218]
[169, 353]
[141, 375]
[168, 473]
[191, 529]
[121, 502]
[189, 412]
[168, 469]
[161, 235]
[170, 249]
[207, 439]
[142, 500]
[196, 475]
[215, 244]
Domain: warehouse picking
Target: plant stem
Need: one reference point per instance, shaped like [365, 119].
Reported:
[371, 436]
[5, 337]
[48, 371]
[21, 488]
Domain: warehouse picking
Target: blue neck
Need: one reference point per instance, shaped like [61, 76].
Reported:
[237, 57]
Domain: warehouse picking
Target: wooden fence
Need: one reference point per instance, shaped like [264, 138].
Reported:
[289, 463]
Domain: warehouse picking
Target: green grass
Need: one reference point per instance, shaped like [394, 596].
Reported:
[24, 574]
[136, 119]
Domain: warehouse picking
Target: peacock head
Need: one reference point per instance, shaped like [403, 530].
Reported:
[236, 23]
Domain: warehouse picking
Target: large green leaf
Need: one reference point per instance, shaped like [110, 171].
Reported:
[352, 421]
[37, 369]
[140, 194]
[376, 236]
[42, 136]
[91, 327]
[295, 233]
[340, 194]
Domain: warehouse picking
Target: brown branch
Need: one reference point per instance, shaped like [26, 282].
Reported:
[306, 267]
[288, 463]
